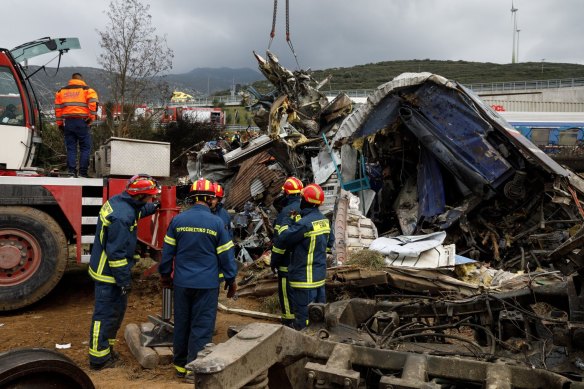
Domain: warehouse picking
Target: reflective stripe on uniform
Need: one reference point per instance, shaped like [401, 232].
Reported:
[225, 247]
[93, 350]
[306, 285]
[118, 263]
[180, 369]
[101, 277]
[278, 251]
[169, 240]
[287, 314]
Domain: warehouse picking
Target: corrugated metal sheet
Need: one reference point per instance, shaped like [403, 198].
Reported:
[253, 174]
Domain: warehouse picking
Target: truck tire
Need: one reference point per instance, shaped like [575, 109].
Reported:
[33, 256]
[37, 368]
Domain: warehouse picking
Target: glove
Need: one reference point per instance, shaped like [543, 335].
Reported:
[126, 289]
[232, 288]
[61, 127]
[166, 282]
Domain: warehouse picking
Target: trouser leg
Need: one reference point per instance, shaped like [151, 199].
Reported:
[182, 315]
[284, 298]
[84, 136]
[71, 146]
[204, 314]
[105, 322]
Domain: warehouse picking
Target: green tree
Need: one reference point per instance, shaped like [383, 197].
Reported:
[134, 56]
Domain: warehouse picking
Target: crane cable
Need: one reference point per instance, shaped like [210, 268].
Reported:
[273, 32]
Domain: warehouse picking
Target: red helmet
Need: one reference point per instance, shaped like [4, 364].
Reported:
[142, 184]
[202, 187]
[219, 192]
[313, 194]
[292, 185]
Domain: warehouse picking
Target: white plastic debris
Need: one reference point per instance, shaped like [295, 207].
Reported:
[62, 346]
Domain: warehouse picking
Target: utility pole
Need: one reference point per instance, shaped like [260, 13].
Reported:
[542, 61]
[514, 16]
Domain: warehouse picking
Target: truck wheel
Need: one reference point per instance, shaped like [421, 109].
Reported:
[33, 256]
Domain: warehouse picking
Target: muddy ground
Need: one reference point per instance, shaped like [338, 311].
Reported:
[64, 316]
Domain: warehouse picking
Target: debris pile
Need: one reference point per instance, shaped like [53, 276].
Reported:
[463, 236]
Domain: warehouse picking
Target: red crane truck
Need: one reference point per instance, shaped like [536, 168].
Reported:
[45, 221]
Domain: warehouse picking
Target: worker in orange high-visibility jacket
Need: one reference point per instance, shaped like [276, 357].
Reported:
[75, 108]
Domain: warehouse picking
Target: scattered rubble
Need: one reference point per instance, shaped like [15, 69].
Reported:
[462, 237]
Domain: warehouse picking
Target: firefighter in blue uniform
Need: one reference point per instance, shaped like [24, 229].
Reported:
[112, 258]
[279, 263]
[197, 247]
[217, 207]
[309, 239]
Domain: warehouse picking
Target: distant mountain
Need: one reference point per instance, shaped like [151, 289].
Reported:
[197, 81]
[209, 80]
[369, 76]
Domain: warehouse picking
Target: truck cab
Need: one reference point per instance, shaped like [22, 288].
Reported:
[45, 221]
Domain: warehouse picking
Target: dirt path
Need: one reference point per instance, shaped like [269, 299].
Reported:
[64, 317]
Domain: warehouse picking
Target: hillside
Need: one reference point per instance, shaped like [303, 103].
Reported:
[368, 76]
[197, 81]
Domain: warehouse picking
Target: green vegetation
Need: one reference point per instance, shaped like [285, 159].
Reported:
[370, 76]
[238, 116]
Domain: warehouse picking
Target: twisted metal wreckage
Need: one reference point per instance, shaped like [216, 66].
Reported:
[427, 161]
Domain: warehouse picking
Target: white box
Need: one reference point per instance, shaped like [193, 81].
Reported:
[127, 157]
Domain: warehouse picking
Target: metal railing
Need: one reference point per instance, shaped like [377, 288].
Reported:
[476, 87]
[526, 85]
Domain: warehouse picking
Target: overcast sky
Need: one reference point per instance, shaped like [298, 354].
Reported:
[324, 33]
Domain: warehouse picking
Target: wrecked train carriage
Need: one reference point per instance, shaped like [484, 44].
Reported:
[518, 339]
[449, 162]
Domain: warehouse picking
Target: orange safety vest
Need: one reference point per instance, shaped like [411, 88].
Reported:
[76, 100]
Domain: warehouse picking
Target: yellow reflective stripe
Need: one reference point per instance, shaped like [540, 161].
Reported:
[95, 342]
[112, 342]
[104, 221]
[101, 277]
[95, 335]
[102, 260]
[169, 240]
[221, 275]
[283, 268]
[310, 259]
[225, 247]
[180, 369]
[316, 233]
[99, 354]
[136, 256]
[286, 314]
[278, 251]
[118, 263]
[282, 229]
[329, 250]
[106, 210]
[306, 285]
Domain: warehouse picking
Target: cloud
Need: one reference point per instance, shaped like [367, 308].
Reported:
[324, 33]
